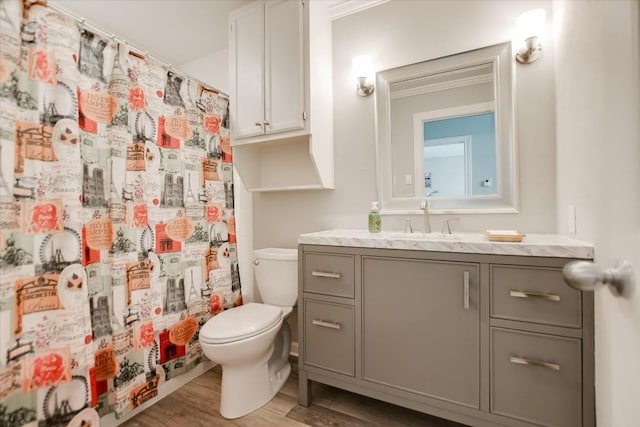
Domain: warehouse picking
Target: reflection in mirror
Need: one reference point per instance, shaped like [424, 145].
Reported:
[445, 131]
[459, 155]
[446, 166]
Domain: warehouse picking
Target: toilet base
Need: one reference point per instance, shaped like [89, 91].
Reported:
[237, 399]
[246, 388]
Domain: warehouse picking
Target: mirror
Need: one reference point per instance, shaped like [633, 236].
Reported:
[445, 130]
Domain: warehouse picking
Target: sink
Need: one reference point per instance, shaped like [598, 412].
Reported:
[419, 236]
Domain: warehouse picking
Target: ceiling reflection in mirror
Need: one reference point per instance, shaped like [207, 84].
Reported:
[445, 131]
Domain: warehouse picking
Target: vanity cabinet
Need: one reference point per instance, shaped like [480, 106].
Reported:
[485, 340]
[281, 103]
[328, 312]
[534, 367]
[405, 303]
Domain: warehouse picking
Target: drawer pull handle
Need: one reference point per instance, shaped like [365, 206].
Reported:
[548, 297]
[522, 361]
[326, 274]
[466, 290]
[326, 324]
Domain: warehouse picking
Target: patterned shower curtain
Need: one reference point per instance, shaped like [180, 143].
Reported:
[117, 230]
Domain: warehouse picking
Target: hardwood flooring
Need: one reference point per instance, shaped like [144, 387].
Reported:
[196, 405]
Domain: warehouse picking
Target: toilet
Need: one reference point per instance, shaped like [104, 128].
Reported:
[252, 342]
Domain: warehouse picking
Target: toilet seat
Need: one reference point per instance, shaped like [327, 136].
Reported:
[240, 323]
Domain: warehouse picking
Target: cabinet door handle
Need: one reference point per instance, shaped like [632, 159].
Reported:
[466, 290]
[266, 123]
[326, 274]
[326, 324]
[525, 294]
[523, 361]
[258, 124]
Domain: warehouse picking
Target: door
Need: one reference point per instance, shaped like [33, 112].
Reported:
[284, 88]
[598, 131]
[246, 56]
[421, 327]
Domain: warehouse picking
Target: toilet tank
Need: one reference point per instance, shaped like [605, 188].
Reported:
[276, 272]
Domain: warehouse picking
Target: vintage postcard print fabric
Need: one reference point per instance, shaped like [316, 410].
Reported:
[117, 229]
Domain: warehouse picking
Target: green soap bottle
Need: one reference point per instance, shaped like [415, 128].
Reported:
[375, 220]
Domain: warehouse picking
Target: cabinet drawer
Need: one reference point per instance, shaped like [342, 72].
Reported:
[329, 274]
[533, 294]
[536, 378]
[329, 340]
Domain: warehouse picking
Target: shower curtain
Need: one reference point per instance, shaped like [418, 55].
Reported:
[117, 230]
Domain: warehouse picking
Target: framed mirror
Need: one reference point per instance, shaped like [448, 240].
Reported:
[446, 131]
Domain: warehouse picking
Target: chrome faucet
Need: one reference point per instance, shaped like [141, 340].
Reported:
[424, 205]
[446, 226]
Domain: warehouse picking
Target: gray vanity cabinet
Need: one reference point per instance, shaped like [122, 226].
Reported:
[405, 303]
[484, 340]
[536, 377]
[329, 329]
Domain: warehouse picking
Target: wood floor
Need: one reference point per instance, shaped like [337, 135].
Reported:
[196, 405]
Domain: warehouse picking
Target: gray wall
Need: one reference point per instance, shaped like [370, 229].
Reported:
[388, 34]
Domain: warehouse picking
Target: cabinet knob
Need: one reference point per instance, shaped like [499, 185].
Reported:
[258, 124]
[266, 123]
[587, 276]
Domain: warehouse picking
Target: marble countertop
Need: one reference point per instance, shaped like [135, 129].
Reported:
[543, 245]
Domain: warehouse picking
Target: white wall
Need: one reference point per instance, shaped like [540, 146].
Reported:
[212, 69]
[402, 32]
[598, 156]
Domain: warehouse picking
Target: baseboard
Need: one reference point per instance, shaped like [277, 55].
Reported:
[164, 390]
[294, 349]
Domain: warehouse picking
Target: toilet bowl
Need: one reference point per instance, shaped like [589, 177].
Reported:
[252, 342]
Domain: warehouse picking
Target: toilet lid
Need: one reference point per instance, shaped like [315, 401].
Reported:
[240, 322]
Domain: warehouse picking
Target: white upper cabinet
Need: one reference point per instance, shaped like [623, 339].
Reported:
[247, 62]
[268, 73]
[281, 133]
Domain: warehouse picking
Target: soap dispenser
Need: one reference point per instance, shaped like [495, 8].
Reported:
[375, 220]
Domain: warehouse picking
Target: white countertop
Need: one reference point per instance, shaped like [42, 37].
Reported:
[544, 245]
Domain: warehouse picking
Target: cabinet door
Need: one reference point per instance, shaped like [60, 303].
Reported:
[246, 58]
[329, 336]
[284, 88]
[421, 327]
[536, 378]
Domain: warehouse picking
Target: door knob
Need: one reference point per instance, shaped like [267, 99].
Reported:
[587, 276]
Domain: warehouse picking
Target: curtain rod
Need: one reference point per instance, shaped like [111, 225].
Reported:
[137, 52]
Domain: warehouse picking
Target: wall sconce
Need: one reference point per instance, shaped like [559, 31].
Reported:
[530, 26]
[363, 72]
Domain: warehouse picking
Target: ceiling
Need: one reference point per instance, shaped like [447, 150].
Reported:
[172, 31]
[175, 31]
